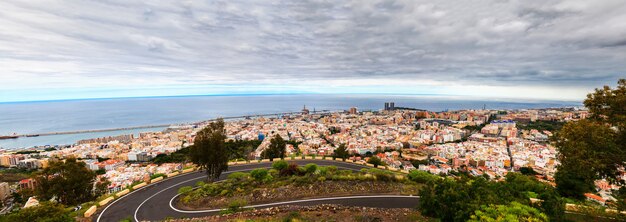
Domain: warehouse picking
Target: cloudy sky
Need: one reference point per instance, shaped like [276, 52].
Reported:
[557, 50]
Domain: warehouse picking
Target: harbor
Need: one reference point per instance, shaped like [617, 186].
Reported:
[22, 141]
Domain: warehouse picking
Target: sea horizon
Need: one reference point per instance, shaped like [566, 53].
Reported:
[466, 97]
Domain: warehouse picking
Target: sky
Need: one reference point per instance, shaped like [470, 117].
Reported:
[77, 49]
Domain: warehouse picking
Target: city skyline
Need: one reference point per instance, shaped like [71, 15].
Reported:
[551, 50]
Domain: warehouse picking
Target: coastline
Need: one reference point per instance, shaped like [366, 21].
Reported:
[126, 130]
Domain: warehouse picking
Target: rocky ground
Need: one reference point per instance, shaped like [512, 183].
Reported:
[318, 213]
[293, 191]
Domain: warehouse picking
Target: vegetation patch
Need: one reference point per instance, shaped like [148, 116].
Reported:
[288, 181]
[476, 198]
[320, 213]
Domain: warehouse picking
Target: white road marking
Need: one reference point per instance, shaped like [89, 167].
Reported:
[137, 210]
[101, 213]
[226, 172]
[292, 201]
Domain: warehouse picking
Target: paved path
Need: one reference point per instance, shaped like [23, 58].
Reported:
[153, 202]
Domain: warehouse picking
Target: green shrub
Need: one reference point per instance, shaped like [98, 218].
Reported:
[185, 189]
[224, 192]
[374, 160]
[332, 169]
[46, 211]
[422, 176]
[321, 179]
[235, 206]
[323, 170]
[290, 170]
[302, 180]
[310, 168]
[157, 175]
[514, 211]
[259, 174]
[200, 183]
[273, 172]
[211, 188]
[280, 165]
[238, 176]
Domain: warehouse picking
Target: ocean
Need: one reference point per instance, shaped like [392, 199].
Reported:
[72, 115]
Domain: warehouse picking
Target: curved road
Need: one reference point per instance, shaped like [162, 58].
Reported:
[153, 201]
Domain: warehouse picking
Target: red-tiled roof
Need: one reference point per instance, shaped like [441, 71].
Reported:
[594, 197]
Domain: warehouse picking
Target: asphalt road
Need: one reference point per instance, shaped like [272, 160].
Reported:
[153, 201]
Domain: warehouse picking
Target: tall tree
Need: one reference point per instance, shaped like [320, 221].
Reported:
[276, 149]
[69, 181]
[341, 152]
[209, 151]
[594, 148]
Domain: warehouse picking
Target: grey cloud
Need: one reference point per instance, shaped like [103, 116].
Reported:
[476, 42]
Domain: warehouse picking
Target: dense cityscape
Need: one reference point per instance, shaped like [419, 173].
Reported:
[481, 142]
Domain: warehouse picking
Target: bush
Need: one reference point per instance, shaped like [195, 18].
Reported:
[323, 170]
[259, 174]
[310, 168]
[157, 175]
[46, 211]
[381, 175]
[514, 211]
[224, 192]
[279, 165]
[185, 189]
[290, 170]
[457, 199]
[238, 176]
[235, 206]
[374, 160]
[273, 172]
[331, 169]
[422, 176]
[200, 183]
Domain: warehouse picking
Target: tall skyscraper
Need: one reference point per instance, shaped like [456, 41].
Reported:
[390, 105]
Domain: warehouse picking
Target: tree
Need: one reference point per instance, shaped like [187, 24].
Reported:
[241, 149]
[527, 171]
[341, 152]
[276, 149]
[44, 212]
[457, 199]
[375, 161]
[69, 181]
[594, 148]
[512, 212]
[209, 151]
[179, 156]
